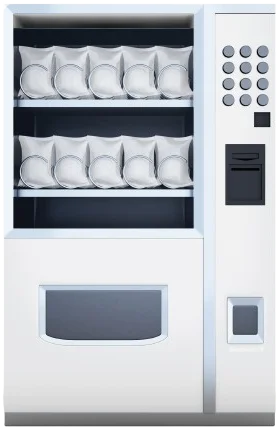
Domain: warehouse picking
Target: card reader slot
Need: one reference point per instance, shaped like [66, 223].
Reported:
[245, 156]
[242, 168]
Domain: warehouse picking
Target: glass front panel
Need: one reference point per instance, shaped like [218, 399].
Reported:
[91, 313]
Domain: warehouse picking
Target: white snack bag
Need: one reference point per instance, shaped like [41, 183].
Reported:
[139, 79]
[72, 160]
[37, 162]
[173, 72]
[173, 161]
[38, 68]
[106, 70]
[72, 70]
[106, 155]
[139, 162]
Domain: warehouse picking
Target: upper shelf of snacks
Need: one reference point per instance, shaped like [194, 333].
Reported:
[134, 61]
[96, 73]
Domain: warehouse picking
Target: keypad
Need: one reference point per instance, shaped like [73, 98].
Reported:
[245, 67]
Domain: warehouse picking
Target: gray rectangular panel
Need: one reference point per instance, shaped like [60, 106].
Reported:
[103, 314]
[245, 320]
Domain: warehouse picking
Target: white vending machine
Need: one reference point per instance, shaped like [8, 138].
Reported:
[139, 215]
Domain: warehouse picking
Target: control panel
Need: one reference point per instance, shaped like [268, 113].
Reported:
[244, 211]
[244, 104]
[245, 71]
[247, 59]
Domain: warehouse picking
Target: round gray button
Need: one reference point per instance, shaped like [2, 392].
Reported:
[262, 100]
[228, 100]
[245, 51]
[228, 84]
[245, 84]
[262, 51]
[245, 67]
[262, 84]
[228, 51]
[245, 100]
[262, 67]
[228, 67]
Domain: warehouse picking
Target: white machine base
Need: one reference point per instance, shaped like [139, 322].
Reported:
[137, 419]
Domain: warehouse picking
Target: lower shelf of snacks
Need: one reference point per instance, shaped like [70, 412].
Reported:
[104, 163]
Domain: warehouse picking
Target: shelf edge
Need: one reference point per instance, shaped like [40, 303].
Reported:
[103, 193]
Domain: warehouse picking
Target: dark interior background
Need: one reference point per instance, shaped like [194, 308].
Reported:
[107, 212]
[105, 37]
[103, 212]
[109, 122]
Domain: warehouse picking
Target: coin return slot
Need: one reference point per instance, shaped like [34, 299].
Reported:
[245, 320]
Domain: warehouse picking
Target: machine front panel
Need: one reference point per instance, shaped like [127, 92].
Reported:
[112, 369]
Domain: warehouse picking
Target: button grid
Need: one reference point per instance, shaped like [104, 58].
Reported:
[245, 68]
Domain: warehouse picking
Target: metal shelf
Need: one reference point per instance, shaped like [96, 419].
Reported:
[114, 103]
[24, 192]
[100, 233]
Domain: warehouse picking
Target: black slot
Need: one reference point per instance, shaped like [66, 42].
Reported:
[245, 156]
[244, 169]
[245, 182]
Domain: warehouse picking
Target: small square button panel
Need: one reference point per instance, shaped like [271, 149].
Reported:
[245, 320]
[261, 120]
